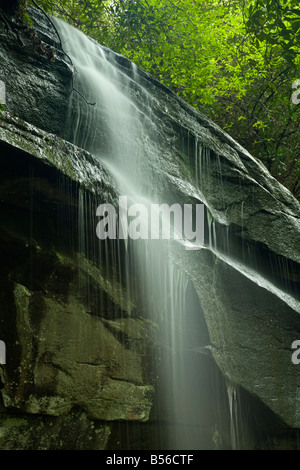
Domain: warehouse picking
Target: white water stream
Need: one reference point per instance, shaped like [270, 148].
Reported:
[116, 130]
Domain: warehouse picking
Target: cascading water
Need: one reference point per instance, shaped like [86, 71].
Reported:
[113, 118]
[116, 130]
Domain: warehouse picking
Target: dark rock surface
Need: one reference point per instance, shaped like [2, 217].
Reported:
[75, 343]
[58, 299]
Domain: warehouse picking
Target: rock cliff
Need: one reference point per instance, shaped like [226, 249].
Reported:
[83, 351]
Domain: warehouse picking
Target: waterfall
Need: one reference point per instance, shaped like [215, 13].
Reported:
[116, 130]
[113, 117]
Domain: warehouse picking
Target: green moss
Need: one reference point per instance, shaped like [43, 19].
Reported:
[62, 161]
[9, 423]
[60, 256]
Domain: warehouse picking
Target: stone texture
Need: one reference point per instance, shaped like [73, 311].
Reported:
[76, 343]
[35, 89]
[252, 326]
[56, 303]
[87, 366]
[32, 432]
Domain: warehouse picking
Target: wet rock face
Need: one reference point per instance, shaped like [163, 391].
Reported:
[37, 82]
[252, 327]
[87, 367]
[65, 432]
[76, 344]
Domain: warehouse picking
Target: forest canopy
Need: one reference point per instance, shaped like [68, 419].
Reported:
[237, 61]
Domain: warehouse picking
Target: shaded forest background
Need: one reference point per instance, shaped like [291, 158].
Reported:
[237, 61]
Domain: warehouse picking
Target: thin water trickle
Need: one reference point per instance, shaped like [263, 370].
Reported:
[232, 398]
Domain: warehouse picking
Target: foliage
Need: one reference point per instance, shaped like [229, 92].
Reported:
[235, 60]
[278, 23]
[87, 15]
[11, 6]
[185, 44]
